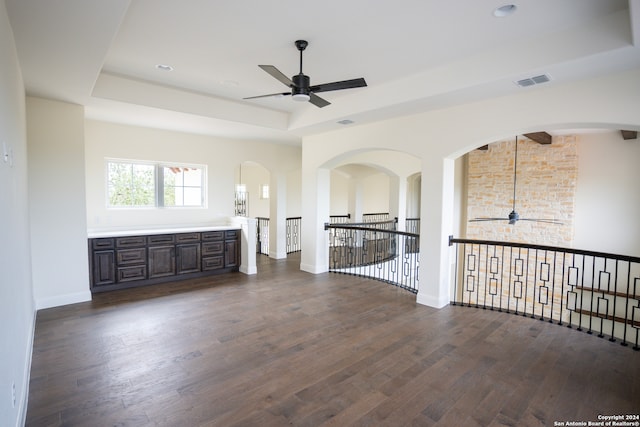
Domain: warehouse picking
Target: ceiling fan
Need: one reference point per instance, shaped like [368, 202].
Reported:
[514, 217]
[300, 84]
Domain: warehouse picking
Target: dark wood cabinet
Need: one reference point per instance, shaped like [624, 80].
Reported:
[121, 262]
[104, 268]
[212, 250]
[162, 261]
[230, 253]
[188, 258]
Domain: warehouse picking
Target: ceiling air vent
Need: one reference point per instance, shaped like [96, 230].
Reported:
[345, 122]
[536, 80]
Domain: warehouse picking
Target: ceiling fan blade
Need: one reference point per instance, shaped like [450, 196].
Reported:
[488, 219]
[271, 94]
[277, 74]
[317, 101]
[547, 221]
[345, 84]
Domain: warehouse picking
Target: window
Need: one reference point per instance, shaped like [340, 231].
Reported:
[132, 184]
[182, 186]
[264, 191]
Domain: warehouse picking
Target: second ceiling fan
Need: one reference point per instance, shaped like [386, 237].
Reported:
[513, 216]
[300, 84]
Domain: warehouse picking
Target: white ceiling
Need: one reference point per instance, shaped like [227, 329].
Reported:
[414, 54]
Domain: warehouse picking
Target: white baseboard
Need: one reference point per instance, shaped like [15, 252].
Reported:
[248, 270]
[24, 398]
[65, 299]
[313, 269]
[277, 255]
[431, 301]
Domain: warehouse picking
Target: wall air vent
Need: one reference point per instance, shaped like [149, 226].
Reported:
[531, 81]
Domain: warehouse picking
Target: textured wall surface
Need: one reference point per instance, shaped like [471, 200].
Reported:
[546, 188]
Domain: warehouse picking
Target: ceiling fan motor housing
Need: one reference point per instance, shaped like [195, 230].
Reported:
[513, 217]
[301, 84]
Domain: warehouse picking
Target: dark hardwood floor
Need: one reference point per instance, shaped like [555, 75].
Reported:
[285, 347]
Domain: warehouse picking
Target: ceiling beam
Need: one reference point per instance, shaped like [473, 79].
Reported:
[629, 134]
[539, 137]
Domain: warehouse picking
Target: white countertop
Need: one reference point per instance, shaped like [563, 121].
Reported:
[94, 234]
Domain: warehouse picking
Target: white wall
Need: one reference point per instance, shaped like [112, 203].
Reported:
[294, 193]
[16, 295]
[221, 156]
[375, 192]
[55, 131]
[607, 206]
[339, 193]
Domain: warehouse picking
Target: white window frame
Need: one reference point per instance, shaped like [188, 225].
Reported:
[158, 183]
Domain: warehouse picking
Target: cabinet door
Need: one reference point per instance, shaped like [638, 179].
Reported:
[188, 258]
[104, 268]
[162, 261]
[230, 253]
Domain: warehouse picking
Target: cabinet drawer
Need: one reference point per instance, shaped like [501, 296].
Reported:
[187, 237]
[231, 235]
[128, 274]
[102, 243]
[131, 256]
[213, 235]
[212, 263]
[212, 248]
[161, 239]
[130, 241]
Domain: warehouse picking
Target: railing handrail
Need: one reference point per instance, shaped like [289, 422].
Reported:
[358, 226]
[628, 258]
[367, 224]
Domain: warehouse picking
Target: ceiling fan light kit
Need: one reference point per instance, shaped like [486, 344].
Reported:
[300, 97]
[300, 84]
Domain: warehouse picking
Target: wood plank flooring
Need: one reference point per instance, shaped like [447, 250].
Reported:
[285, 347]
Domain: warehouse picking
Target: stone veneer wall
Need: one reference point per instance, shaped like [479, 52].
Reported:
[546, 187]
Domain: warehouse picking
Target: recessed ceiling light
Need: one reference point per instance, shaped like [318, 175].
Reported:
[506, 10]
[164, 67]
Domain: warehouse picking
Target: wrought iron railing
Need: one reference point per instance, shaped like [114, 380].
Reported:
[375, 250]
[340, 219]
[294, 234]
[262, 235]
[412, 225]
[592, 291]
[375, 217]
